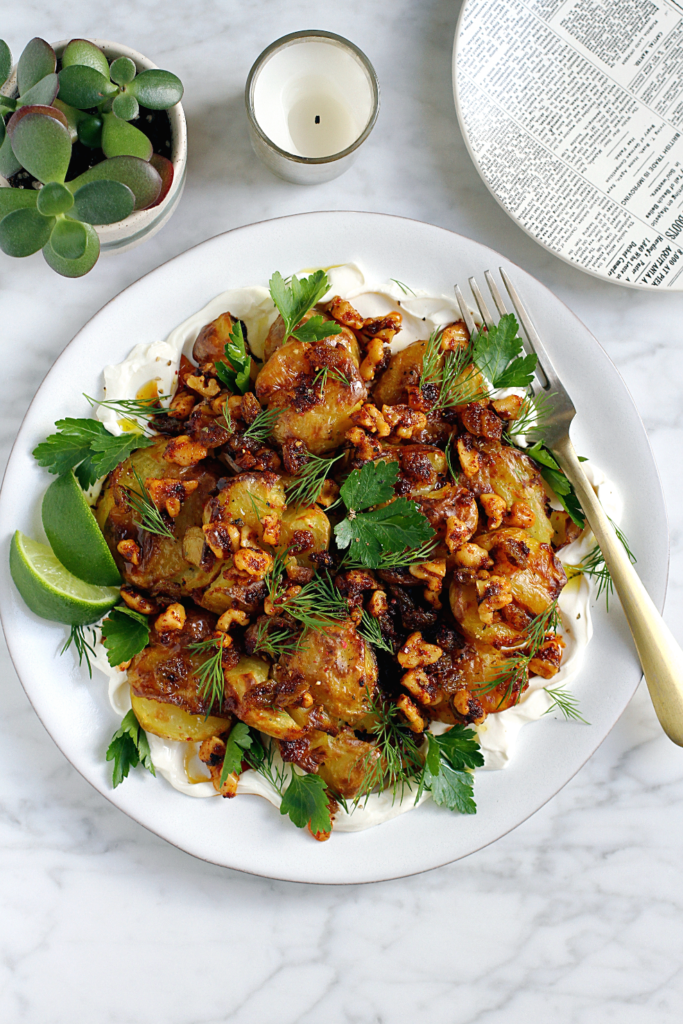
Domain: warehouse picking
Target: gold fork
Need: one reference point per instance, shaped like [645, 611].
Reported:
[660, 656]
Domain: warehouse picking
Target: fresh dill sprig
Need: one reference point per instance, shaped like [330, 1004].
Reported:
[370, 629]
[306, 487]
[141, 502]
[210, 674]
[399, 761]
[140, 408]
[405, 288]
[513, 673]
[594, 565]
[275, 642]
[83, 648]
[452, 372]
[564, 700]
[448, 452]
[395, 559]
[316, 606]
[260, 758]
[262, 426]
[533, 417]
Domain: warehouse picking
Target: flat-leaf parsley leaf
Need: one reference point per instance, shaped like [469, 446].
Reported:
[496, 352]
[306, 803]
[129, 747]
[236, 372]
[124, 634]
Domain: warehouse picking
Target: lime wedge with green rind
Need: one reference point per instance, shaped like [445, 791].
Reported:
[74, 535]
[50, 590]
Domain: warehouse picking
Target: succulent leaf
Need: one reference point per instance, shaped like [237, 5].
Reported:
[2, 130]
[157, 89]
[140, 177]
[7, 103]
[90, 131]
[5, 61]
[37, 108]
[43, 92]
[24, 232]
[16, 199]
[103, 202]
[122, 70]
[54, 198]
[119, 138]
[125, 106]
[9, 164]
[86, 54]
[73, 117]
[42, 145]
[79, 267]
[84, 87]
[165, 169]
[69, 239]
[37, 61]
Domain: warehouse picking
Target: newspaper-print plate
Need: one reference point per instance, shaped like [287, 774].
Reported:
[572, 111]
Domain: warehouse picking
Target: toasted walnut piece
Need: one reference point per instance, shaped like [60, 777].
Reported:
[378, 604]
[546, 661]
[454, 337]
[328, 494]
[343, 312]
[521, 515]
[456, 531]
[432, 572]
[471, 556]
[250, 407]
[130, 551]
[182, 405]
[218, 403]
[207, 389]
[298, 573]
[367, 446]
[373, 358]
[219, 539]
[137, 601]
[417, 682]
[184, 452]
[403, 420]
[461, 702]
[256, 563]
[271, 529]
[481, 421]
[416, 723]
[212, 753]
[492, 594]
[169, 493]
[495, 508]
[385, 327]
[305, 700]
[372, 419]
[193, 545]
[470, 459]
[295, 455]
[416, 652]
[234, 404]
[228, 618]
[172, 617]
[248, 537]
[508, 408]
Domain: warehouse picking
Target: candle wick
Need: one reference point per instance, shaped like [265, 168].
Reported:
[317, 118]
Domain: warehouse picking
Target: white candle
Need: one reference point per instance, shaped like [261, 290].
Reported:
[312, 99]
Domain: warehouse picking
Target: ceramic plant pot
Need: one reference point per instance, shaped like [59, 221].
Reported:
[141, 224]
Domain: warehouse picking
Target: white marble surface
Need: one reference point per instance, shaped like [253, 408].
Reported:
[577, 916]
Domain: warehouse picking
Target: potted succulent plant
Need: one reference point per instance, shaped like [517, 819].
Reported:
[92, 147]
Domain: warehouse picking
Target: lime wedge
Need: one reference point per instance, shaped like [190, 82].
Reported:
[50, 590]
[74, 535]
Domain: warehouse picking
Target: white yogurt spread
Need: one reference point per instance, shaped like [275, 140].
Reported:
[422, 313]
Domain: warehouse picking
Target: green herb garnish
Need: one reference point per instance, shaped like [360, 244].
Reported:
[129, 747]
[237, 743]
[551, 472]
[150, 518]
[88, 448]
[124, 634]
[371, 534]
[236, 372]
[295, 299]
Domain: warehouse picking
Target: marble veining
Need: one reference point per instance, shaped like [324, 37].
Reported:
[577, 916]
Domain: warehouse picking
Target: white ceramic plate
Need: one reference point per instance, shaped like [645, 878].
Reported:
[247, 833]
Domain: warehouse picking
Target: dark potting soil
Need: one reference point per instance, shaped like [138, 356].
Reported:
[155, 124]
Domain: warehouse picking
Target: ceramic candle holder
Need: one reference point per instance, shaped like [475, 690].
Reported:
[312, 100]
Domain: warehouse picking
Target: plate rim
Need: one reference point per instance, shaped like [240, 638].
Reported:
[634, 285]
[109, 794]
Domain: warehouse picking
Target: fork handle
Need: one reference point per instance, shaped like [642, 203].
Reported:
[660, 655]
